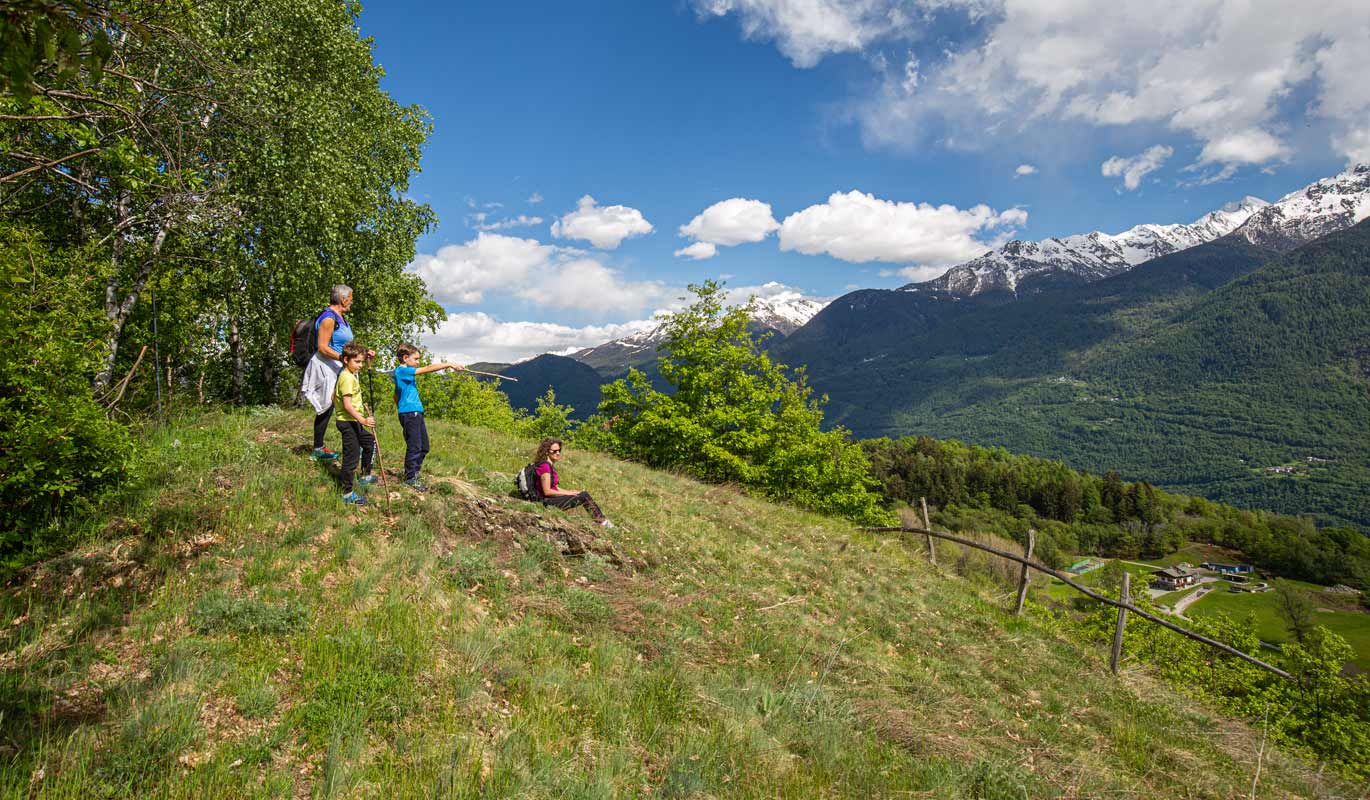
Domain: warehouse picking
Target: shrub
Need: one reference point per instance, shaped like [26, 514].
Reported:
[736, 416]
[463, 399]
[217, 611]
[550, 419]
[61, 449]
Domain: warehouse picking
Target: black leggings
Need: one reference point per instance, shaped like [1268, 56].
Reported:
[566, 502]
[321, 426]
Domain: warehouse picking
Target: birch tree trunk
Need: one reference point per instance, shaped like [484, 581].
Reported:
[118, 309]
[235, 346]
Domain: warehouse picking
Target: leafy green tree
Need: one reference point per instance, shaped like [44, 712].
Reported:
[238, 162]
[200, 187]
[1295, 609]
[61, 448]
[736, 416]
[43, 38]
[550, 419]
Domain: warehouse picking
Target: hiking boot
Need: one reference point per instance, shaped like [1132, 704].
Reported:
[354, 499]
[606, 523]
[416, 484]
[367, 480]
[323, 454]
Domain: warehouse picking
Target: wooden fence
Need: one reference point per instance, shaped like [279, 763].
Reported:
[1124, 605]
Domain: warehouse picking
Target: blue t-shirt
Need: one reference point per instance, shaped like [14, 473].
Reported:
[408, 390]
[342, 332]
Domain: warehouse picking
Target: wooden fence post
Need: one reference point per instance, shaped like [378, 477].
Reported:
[1023, 579]
[927, 525]
[1122, 621]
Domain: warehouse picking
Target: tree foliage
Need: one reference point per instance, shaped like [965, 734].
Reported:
[213, 174]
[736, 416]
[60, 448]
[994, 491]
[1322, 711]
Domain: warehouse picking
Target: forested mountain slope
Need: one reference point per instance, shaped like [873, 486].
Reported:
[888, 350]
[1253, 393]
[575, 384]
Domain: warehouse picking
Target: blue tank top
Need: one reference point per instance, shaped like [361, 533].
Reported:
[342, 332]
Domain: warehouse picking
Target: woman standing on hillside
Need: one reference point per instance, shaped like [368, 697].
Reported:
[549, 452]
[321, 373]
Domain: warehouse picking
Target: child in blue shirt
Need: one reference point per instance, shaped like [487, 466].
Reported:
[410, 408]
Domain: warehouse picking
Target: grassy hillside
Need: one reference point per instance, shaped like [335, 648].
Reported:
[227, 629]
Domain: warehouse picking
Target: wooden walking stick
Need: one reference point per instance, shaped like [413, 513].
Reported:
[491, 375]
[376, 437]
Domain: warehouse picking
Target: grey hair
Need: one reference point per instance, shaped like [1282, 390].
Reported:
[339, 293]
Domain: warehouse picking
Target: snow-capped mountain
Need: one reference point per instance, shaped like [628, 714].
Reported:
[1323, 207]
[1088, 256]
[783, 312]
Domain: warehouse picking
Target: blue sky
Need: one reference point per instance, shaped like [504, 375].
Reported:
[885, 136]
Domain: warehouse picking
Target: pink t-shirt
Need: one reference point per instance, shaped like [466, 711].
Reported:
[544, 468]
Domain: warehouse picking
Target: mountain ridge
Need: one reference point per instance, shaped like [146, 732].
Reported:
[780, 314]
[1088, 257]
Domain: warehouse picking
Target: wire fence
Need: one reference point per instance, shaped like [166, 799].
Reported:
[1124, 605]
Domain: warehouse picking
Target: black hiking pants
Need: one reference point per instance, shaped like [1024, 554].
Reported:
[566, 502]
[357, 442]
[415, 443]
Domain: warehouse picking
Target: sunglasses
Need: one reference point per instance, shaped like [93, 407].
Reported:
[558, 450]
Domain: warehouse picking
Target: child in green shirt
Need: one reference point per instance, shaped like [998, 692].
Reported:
[353, 423]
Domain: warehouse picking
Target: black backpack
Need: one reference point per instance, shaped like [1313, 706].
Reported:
[528, 485]
[303, 342]
[304, 339]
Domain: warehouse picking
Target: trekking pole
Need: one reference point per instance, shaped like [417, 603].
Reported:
[376, 436]
[385, 483]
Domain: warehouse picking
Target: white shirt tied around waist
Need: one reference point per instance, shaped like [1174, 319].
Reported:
[320, 379]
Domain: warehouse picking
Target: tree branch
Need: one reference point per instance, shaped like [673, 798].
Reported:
[49, 165]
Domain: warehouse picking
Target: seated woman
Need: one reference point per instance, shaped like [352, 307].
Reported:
[549, 452]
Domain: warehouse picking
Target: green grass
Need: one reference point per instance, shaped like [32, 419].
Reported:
[1354, 626]
[1196, 553]
[1060, 592]
[230, 630]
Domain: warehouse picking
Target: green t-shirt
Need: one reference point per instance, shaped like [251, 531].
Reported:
[349, 385]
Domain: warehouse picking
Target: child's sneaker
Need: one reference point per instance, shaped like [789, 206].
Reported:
[354, 499]
[367, 480]
[416, 484]
[323, 454]
[606, 523]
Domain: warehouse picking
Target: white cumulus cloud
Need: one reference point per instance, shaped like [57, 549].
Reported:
[468, 337]
[480, 223]
[807, 30]
[1024, 170]
[860, 227]
[588, 285]
[732, 222]
[555, 277]
[1252, 146]
[461, 273]
[698, 251]
[1134, 168]
[534, 198]
[1231, 76]
[604, 227]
